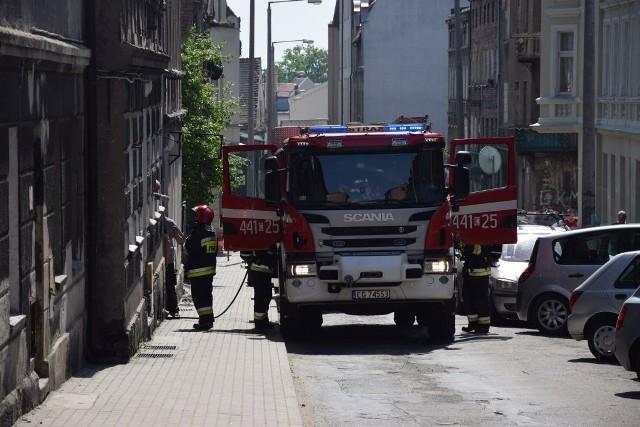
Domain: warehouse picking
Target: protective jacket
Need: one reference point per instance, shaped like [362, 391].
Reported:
[201, 248]
[477, 262]
[260, 261]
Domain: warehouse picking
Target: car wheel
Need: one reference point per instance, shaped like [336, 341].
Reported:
[638, 366]
[550, 313]
[601, 339]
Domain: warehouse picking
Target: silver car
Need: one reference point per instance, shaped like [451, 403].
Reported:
[560, 262]
[627, 340]
[505, 273]
[595, 304]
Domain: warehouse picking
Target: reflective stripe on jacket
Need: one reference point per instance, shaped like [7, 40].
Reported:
[201, 248]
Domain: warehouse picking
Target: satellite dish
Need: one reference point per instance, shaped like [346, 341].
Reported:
[490, 160]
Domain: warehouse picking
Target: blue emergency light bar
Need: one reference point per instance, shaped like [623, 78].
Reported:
[368, 129]
[405, 128]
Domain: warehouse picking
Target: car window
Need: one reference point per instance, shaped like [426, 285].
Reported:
[623, 241]
[582, 249]
[630, 277]
[518, 252]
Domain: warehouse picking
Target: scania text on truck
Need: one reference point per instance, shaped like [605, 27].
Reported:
[365, 216]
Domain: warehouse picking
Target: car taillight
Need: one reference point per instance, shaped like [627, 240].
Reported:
[573, 298]
[623, 312]
[526, 273]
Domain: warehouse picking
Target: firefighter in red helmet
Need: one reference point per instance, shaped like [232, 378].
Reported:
[201, 248]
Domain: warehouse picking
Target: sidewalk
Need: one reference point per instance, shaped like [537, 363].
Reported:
[228, 376]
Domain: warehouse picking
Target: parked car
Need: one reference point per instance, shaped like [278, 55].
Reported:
[514, 258]
[595, 304]
[559, 263]
[627, 339]
[505, 273]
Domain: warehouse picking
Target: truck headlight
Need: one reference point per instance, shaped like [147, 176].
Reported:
[298, 270]
[441, 265]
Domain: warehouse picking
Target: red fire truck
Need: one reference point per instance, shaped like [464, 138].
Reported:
[365, 216]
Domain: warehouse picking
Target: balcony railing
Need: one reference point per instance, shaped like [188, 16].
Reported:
[527, 46]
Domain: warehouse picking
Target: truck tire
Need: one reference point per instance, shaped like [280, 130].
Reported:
[311, 319]
[442, 326]
[289, 327]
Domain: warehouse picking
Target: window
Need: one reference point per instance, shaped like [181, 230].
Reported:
[630, 278]
[249, 178]
[565, 61]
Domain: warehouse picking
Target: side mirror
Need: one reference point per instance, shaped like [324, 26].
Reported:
[271, 164]
[463, 158]
[272, 180]
[461, 185]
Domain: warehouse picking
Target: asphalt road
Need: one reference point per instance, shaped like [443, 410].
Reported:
[365, 371]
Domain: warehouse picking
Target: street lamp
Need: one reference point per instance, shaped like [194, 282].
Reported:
[272, 114]
[270, 81]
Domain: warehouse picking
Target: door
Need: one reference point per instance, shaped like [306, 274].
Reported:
[625, 285]
[248, 221]
[487, 216]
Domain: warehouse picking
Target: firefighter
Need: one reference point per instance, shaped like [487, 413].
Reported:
[201, 248]
[475, 272]
[261, 268]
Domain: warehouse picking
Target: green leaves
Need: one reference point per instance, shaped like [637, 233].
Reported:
[301, 61]
[209, 114]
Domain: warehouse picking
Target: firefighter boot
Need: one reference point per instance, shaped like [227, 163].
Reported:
[263, 324]
[202, 326]
[473, 324]
[481, 329]
[483, 325]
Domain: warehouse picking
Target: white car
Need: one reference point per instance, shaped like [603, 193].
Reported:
[505, 273]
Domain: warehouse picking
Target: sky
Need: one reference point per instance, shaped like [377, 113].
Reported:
[289, 21]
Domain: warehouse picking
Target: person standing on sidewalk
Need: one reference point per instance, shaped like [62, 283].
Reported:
[201, 248]
[171, 232]
[475, 273]
[261, 267]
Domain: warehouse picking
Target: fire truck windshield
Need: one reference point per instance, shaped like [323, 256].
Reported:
[376, 179]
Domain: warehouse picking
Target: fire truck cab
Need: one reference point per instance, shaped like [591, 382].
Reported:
[364, 218]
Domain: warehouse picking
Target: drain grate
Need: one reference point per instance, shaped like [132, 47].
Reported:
[159, 347]
[155, 355]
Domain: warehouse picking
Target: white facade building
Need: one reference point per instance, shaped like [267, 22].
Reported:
[617, 56]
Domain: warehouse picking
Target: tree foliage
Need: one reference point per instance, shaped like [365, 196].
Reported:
[208, 115]
[303, 60]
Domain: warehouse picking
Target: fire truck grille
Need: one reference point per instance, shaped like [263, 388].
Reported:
[368, 243]
[368, 231]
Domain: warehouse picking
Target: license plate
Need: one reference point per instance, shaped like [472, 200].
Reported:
[375, 294]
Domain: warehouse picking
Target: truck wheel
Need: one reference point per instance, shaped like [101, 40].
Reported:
[442, 326]
[311, 318]
[288, 326]
[600, 338]
[404, 318]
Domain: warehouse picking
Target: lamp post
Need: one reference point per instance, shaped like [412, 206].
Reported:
[270, 81]
[272, 89]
